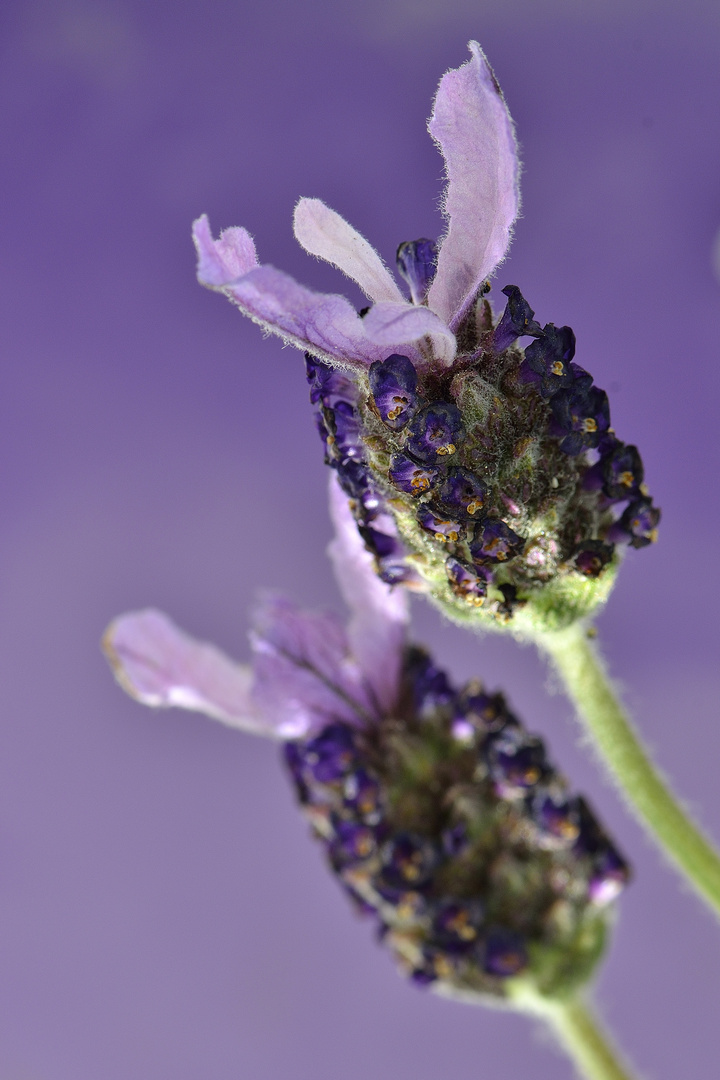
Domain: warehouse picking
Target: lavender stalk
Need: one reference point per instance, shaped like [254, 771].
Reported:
[642, 786]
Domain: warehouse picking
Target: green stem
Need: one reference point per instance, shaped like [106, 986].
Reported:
[642, 785]
[581, 1036]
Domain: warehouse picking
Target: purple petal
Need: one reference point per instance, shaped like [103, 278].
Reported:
[474, 130]
[395, 324]
[379, 620]
[304, 674]
[322, 232]
[155, 662]
[220, 261]
[324, 324]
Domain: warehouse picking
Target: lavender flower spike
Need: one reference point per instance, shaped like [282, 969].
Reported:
[441, 816]
[436, 388]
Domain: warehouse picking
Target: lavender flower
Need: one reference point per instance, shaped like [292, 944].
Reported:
[442, 818]
[426, 401]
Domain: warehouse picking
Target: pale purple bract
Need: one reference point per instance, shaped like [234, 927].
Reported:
[474, 131]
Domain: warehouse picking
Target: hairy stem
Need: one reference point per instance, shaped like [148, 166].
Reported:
[640, 783]
[583, 1039]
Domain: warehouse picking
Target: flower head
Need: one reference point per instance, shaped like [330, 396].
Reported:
[479, 471]
[441, 816]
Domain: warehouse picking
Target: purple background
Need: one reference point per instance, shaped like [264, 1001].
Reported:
[163, 912]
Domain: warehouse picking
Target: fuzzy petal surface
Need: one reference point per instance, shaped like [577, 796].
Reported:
[322, 232]
[223, 260]
[474, 130]
[380, 614]
[304, 674]
[160, 665]
[387, 323]
[324, 324]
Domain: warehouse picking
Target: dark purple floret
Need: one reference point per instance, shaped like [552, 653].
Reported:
[440, 526]
[517, 320]
[330, 755]
[343, 425]
[294, 759]
[393, 384]
[455, 840]
[622, 472]
[462, 492]
[417, 265]
[516, 761]
[429, 684]
[504, 952]
[609, 876]
[353, 842]
[435, 432]
[471, 585]
[495, 542]
[592, 557]
[548, 359]
[579, 418]
[362, 795]
[637, 526]
[410, 477]
[435, 964]
[556, 817]
[327, 383]
[380, 544]
[395, 573]
[408, 861]
[456, 924]
[488, 713]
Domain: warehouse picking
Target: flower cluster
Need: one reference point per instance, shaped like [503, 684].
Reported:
[446, 821]
[486, 473]
[440, 814]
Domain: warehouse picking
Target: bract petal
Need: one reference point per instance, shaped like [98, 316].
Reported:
[160, 665]
[304, 672]
[396, 324]
[378, 625]
[474, 130]
[324, 324]
[223, 260]
[322, 232]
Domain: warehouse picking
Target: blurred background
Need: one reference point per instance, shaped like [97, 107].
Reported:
[163, 912]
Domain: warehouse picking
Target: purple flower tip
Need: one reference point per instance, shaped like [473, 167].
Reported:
[516, 761]
[580, 418]
[549, 359]
[417, 265]
[410, 477]
[505, 952]
[495, 542]
[592, 557]
[469, 584]
[517, 321]
[637, 526]
[435, 432]
[393, 383]
[463, 492]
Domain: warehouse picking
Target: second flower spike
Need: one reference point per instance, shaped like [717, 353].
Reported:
[442, 817]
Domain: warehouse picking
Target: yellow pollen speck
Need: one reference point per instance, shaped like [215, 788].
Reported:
[653, 536]
[331, 440]
[558, 368]
[644, 490]
[394, 413]
[626, 478]
[419, 483]
[448, 449]
[474, 506]
[590, 424]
